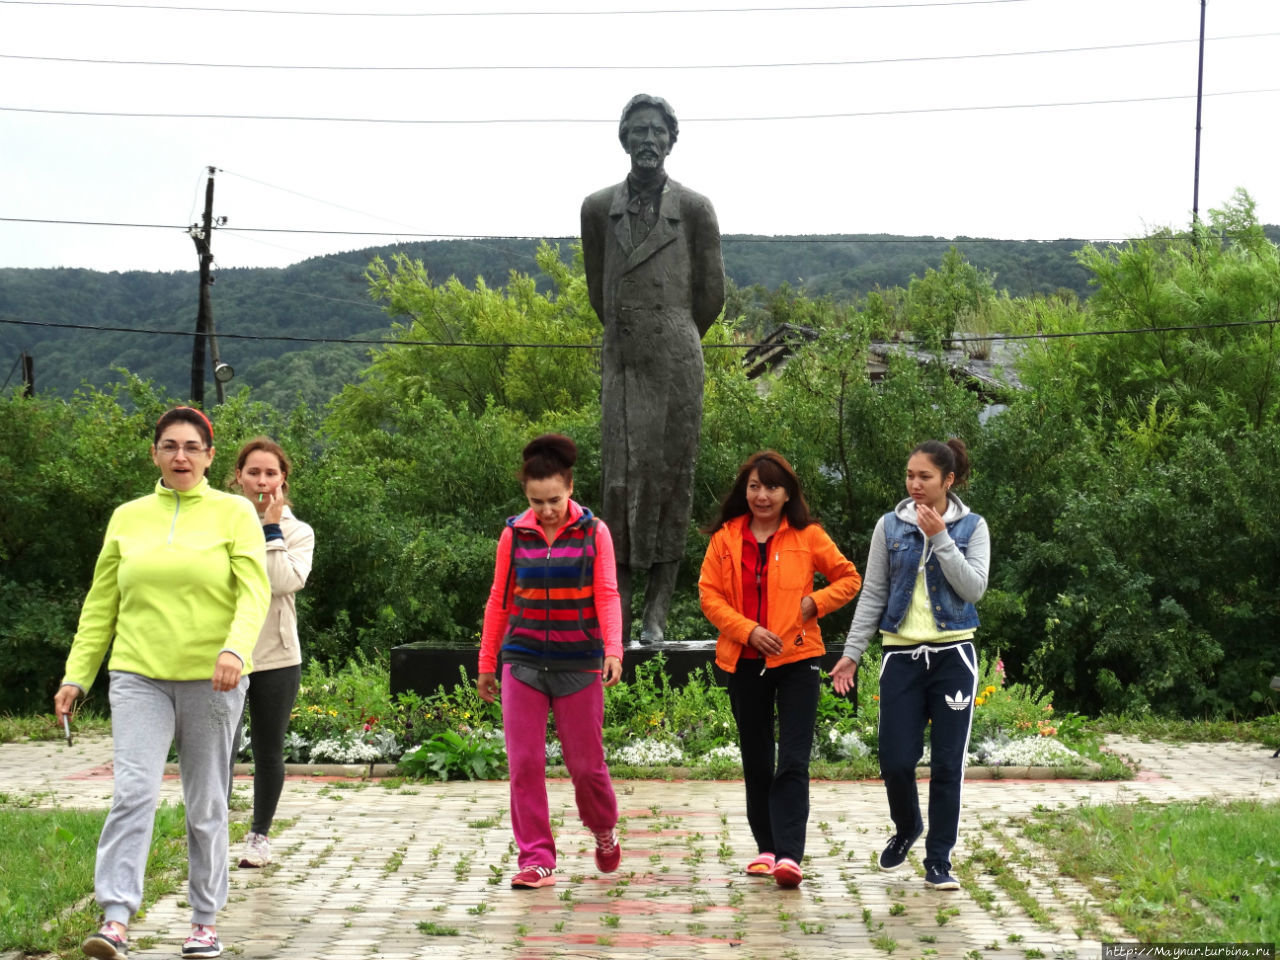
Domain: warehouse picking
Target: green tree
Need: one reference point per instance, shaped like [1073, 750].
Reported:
[513, 371]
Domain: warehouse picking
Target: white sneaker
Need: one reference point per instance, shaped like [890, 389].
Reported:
[257, 850]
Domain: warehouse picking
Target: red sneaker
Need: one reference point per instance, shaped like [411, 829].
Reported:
[532, 877]
[787, 873]
[608, 851]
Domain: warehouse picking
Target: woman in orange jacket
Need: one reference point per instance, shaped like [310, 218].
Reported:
[756, 588]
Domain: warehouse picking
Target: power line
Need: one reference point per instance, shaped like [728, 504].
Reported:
[421, 68]
[304, 196]
[494, 121]
[519, 13]
[728, 238]
[360, 341]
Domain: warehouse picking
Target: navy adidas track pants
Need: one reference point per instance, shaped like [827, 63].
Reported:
[927, 682]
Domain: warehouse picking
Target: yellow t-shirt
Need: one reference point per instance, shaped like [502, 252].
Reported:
[918, 625]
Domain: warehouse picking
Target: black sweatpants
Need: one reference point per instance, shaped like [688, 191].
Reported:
[777, 793]
[269, 703]
[918, 684]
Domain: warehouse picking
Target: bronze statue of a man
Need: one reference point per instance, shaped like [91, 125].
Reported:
[656, 280]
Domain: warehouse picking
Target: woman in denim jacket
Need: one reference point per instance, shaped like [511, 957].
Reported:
[927, 568]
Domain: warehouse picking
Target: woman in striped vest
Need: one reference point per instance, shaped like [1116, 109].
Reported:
[554, 611]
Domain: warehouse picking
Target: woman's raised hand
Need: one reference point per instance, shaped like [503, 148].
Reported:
[929, 520]
[275, 507]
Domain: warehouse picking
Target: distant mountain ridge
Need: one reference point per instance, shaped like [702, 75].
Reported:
[327, 297]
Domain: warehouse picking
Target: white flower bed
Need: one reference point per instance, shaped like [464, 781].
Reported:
[1026, 752]
[846, 746]
[730, 752]
[648, 753]
[344, 751]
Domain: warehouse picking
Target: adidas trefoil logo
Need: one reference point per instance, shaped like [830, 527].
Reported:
[958, 702]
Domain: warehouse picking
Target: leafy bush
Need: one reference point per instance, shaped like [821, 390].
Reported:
[479, 755]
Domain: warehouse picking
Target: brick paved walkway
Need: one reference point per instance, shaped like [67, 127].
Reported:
[365, 871]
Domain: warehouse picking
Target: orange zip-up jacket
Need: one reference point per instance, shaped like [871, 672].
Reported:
[795, 556]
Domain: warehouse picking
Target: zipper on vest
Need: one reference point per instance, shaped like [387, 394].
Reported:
[546, 628]
[173, 525]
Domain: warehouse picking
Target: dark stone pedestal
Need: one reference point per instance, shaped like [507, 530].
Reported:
[423, 667]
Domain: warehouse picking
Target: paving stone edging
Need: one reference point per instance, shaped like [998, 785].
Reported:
[374, 771]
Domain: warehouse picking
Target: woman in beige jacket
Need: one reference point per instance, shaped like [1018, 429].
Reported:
[262, 475]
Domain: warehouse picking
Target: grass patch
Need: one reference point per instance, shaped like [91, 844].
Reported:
[41, 726]
[1264, 730]
[993, 864]
[433, 929]
[46, 874]
[1174, 872]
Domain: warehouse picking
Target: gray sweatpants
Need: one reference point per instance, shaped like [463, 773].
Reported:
[146, 715]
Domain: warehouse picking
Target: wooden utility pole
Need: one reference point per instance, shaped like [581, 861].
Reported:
[202, 235]
[28, 374]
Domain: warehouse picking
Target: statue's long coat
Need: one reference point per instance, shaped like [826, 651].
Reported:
[655, 301]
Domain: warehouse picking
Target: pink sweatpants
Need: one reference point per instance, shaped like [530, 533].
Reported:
[580, 727]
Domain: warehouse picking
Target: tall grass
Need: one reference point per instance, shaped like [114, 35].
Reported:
[46, 873]
[1176, 872]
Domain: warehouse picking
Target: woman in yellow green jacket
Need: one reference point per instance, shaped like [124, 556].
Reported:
[757, 589]
[179, 593]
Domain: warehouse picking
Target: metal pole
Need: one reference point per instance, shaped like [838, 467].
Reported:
[1195, 196]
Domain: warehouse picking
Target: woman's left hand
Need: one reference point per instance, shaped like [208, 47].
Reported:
[808, 608]
[612, 671]
[226, 672]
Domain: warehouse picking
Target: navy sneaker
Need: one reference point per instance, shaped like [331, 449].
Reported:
[894, 853]
[940, 878]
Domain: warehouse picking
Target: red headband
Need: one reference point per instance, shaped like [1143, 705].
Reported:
[200, 414]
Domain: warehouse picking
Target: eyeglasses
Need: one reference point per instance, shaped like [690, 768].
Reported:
[170, 447]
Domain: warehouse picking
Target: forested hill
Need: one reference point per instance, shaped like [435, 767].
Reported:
[327, 297]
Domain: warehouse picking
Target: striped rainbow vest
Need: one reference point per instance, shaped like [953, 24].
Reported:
[553, 624]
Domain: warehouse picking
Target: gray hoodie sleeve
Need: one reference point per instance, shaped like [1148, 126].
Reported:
[872, 599]
[967, 573]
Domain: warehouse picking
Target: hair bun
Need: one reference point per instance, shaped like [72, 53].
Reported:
[553, 446]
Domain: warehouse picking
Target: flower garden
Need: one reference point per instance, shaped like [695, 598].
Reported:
[656, 729]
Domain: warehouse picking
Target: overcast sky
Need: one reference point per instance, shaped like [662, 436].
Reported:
[981, 118]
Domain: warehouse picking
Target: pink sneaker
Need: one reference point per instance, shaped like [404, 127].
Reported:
[761, 866]
[203, 942]
[532, 877]
[787, 873]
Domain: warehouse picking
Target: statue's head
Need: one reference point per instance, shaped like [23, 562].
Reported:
[648, 130]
